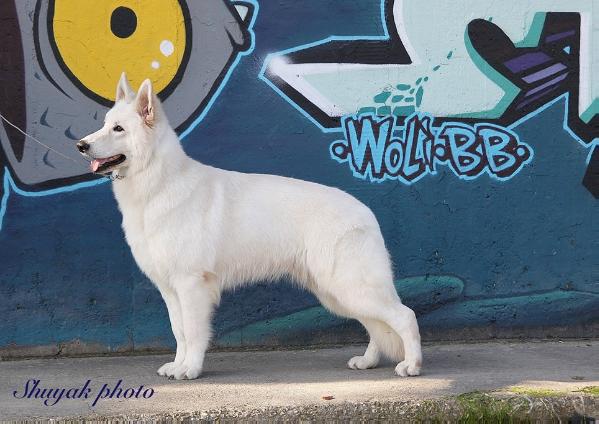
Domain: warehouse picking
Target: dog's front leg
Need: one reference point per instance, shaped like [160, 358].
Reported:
[196, 298]
[176, 318]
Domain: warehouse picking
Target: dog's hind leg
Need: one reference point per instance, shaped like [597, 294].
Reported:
[392, 327]
[360, 285]
[371, 357]
[176, 318]
[403, 321]
[383, 341]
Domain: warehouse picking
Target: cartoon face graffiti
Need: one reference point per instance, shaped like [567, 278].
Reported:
[60, 60]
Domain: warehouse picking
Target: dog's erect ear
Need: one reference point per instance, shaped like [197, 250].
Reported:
[123, 89]
[146, 102]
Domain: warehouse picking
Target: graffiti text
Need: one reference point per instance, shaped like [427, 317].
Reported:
[373, 150]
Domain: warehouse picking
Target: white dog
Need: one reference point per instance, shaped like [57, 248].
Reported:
[195, 231]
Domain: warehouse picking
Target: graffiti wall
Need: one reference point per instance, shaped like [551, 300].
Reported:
[471, 128]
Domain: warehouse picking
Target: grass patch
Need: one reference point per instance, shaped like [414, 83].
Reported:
[590, 390]
[522, 405]
[536, 392]
[478, 407]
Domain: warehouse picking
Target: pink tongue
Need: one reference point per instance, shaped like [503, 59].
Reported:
[96, 163]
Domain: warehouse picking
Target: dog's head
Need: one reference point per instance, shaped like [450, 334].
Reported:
[130, 127]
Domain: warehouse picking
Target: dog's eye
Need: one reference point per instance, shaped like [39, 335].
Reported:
[118, 128]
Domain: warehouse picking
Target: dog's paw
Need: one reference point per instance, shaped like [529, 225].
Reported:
[361, 363]
[167, 370]
[186, 372]
[407, 368]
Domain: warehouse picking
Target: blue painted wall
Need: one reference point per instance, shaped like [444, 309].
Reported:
[503, 257]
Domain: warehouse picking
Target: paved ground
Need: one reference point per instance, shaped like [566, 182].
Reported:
[244, 381]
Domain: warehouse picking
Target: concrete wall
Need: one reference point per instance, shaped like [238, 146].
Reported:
[469, 127]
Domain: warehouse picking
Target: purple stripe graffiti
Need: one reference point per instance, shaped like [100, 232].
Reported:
[552, 70]
[527, 61]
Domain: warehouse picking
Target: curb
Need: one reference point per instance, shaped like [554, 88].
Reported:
[475, 407]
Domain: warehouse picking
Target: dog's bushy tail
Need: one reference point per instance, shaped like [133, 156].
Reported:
[387, 340]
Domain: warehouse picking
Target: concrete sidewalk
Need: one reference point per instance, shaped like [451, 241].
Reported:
[308, 383]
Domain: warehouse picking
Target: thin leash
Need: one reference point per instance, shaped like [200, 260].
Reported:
[112, 177]
[39, 142]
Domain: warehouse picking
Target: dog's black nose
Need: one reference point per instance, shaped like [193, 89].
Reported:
[83, 146]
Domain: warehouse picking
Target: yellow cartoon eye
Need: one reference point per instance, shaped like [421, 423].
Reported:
[97, 40]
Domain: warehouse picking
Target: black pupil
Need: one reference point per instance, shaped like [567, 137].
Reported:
[118, 128]
[123, 22]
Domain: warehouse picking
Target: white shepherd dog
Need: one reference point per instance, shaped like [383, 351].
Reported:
[195, 231]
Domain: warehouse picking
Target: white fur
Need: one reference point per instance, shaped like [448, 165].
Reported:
[195, 231]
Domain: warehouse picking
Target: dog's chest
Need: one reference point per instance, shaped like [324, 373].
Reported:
[148, 246]
[133, 229]
[168, 232]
